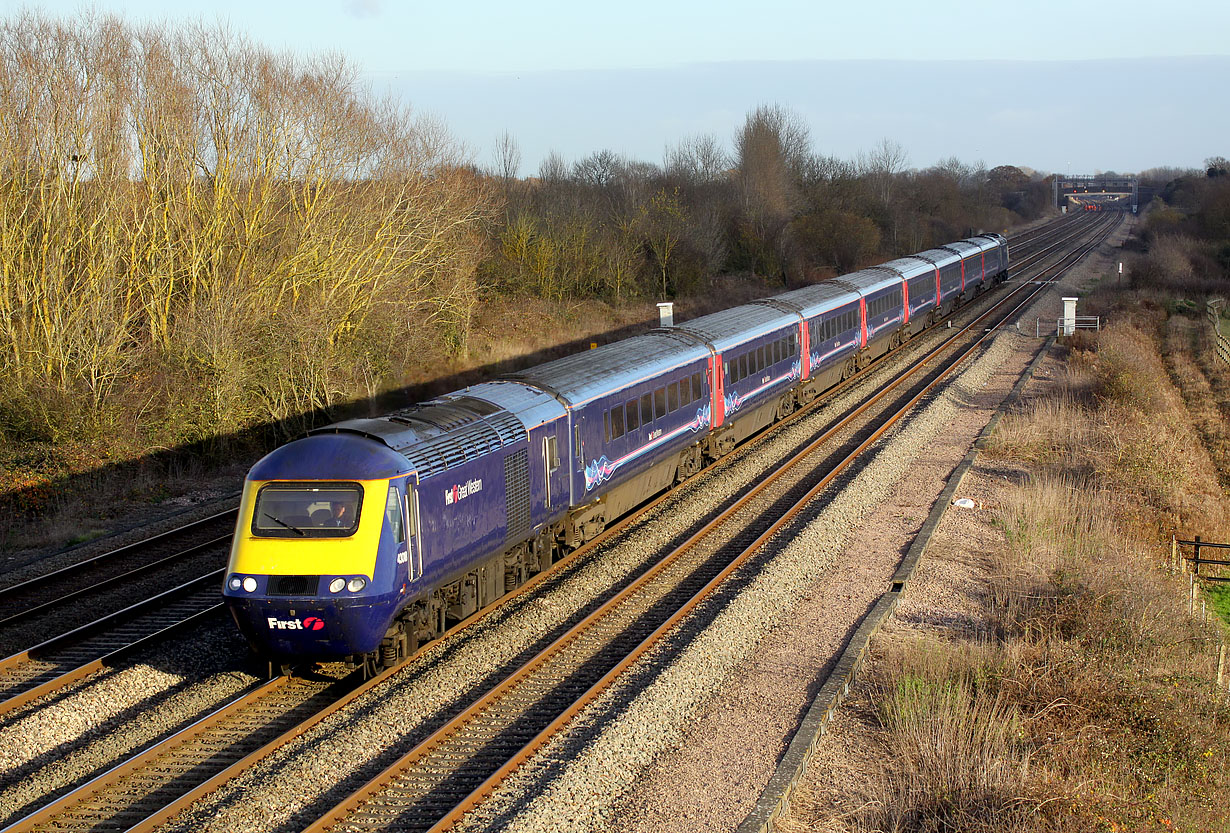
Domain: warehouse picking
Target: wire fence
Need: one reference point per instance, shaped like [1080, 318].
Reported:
[1221, 345]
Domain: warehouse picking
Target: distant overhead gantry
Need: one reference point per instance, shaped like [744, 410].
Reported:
[1080, 192]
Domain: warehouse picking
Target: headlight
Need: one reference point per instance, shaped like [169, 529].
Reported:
[249, 584]
[356, 584]
[235, 583]
[336, 585]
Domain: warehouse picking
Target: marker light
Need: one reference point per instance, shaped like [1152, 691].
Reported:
[249, 584]
[235, 583]
[336, 585]
[356, 584]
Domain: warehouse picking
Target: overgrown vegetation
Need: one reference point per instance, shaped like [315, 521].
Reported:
[1187, 235]
[202, 239]
[1089, 701]
[197, 234]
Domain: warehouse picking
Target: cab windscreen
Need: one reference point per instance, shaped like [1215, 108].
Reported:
[307, 510]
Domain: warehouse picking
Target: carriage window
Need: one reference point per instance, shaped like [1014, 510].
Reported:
[632, 420]
[393, 515]
[659, 403]
[672, 396]
[617, 422]
[606, 425]
[761, 362]
[743, 366]
[646, 409]
[698, 388]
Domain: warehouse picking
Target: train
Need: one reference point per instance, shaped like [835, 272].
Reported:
[369, 537]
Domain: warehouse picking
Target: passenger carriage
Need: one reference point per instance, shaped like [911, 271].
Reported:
[833, 314]
[921, 289]
[371, 535]
[638, 407]
[883, 295]
[756, 363]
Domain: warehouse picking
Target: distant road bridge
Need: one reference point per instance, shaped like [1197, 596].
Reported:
[1076, 192]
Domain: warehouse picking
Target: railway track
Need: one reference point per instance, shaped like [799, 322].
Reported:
[147, 789]
[62, 660]
[74, 596]
[471, 754]
[264, 736]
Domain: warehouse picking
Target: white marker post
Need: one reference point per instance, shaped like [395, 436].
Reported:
[1068, 326]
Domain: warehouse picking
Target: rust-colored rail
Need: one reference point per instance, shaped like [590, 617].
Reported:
[240, 705]
[480, 711]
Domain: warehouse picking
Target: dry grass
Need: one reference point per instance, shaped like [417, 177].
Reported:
[1092, 704]
[957, 760]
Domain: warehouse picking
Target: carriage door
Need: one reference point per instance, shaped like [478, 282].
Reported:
[414, 545]
[550, 464]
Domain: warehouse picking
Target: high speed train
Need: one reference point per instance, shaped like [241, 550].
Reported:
[370, 536]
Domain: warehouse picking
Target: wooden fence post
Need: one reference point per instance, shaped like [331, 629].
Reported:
[1221, 666]
[1174, 553]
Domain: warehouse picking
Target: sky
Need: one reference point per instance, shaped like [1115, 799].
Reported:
[1051, 76]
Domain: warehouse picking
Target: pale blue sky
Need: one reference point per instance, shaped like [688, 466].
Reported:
[483, 36]
[638, 75]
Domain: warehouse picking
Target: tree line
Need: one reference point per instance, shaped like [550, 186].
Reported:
[771, 206]
[1187, 230]
[198, 234]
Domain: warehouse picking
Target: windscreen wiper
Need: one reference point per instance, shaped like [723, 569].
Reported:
[294, 529]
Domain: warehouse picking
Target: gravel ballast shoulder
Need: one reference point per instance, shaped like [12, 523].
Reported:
[662, 752]
[65, 738]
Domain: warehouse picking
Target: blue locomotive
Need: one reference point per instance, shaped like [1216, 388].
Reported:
[370, 536]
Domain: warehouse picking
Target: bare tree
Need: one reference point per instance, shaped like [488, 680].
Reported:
[507, 157]
[698, 160]
[882, 165]
[601, 169]
[771, 150]
[552, 168]
[191, 202]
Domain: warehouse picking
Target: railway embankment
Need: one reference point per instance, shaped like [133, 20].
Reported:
[1044, 669]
